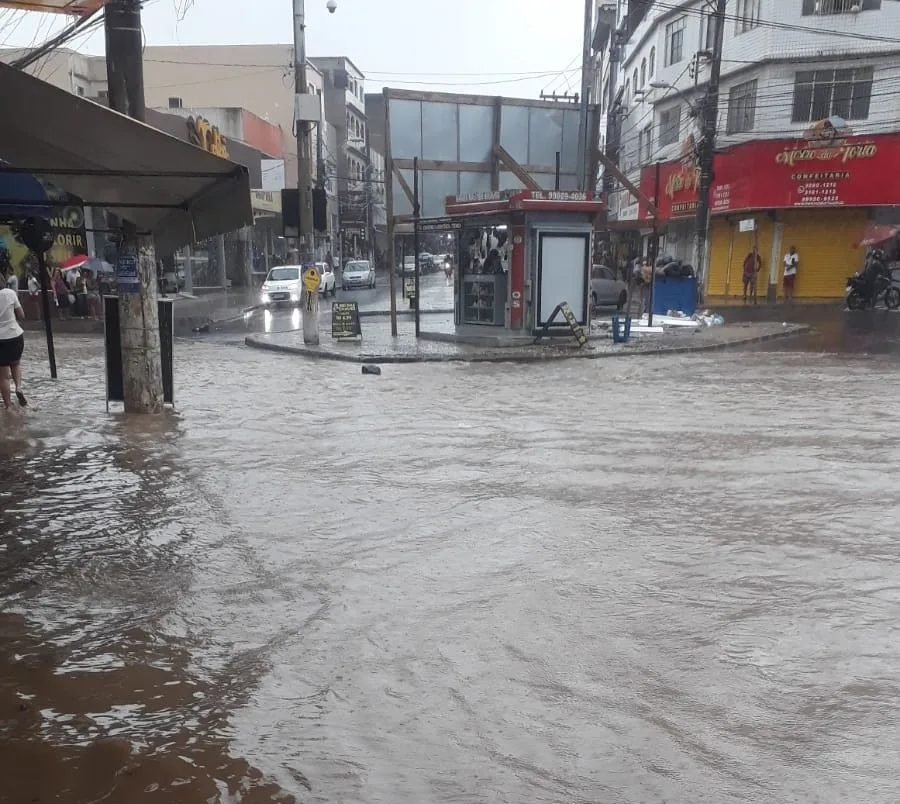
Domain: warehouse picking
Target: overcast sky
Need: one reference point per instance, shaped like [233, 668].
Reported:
[505, 47]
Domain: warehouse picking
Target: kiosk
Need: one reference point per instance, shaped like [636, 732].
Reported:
[520, 253]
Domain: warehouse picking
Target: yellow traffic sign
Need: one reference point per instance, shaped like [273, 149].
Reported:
[311, 280]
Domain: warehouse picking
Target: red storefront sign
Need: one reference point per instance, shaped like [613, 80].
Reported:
[780, 174]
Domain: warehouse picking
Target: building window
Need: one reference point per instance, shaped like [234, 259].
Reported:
[175, 103]
[828, 7]
[707, 31]
[747, 16]
[819, 94]
[634, 80]
[669, 126]
[742, 108]
[675, 41]
[652, 61]
[627, 91]
[643, 72]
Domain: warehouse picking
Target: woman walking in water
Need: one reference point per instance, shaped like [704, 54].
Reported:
[12, 344]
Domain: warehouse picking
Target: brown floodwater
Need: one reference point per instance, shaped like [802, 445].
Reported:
[646, 580]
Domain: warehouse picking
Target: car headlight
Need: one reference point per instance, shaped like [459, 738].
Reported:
[264, 297]
[265, 287]
[294, 295]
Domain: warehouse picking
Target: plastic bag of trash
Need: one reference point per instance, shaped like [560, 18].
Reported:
[709, 319]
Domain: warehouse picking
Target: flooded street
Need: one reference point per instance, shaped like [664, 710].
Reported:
[627, 581]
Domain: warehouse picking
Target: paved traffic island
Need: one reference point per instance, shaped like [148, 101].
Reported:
[377, 345]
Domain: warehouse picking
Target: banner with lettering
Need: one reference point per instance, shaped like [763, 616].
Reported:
[779, 174]
[69, 236]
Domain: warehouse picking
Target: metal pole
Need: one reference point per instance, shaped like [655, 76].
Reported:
[138, 310]
[389, 209]
[583, 128]
[45, 311]
[556, 177]
[653, 252]
[416, 215]
[707, 148]
[309, 305]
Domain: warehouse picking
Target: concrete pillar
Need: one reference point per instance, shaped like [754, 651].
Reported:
[220, 260]
[246, 236]
[188, 270]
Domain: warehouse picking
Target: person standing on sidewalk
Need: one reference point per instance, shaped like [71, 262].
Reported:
[12, 344]
[791, 261]
[752, 267]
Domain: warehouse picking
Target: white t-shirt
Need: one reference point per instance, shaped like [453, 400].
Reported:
[9, 326]
[790, 264]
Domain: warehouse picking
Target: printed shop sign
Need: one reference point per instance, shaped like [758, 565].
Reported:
[779, 174]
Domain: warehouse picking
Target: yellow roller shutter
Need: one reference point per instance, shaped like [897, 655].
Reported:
[825, 241]
[728, 248]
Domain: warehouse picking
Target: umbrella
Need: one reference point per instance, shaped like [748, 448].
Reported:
[99, 266]
[75, 261]
[876, 233]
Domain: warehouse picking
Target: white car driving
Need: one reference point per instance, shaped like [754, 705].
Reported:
[283, 285]
[327, 284]
[358, 274]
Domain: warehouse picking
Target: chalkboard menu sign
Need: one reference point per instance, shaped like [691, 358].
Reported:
[345, 320]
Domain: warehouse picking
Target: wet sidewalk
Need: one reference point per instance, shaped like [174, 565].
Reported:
[190, 312]
[378, 346]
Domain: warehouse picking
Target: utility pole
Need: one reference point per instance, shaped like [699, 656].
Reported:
[138, 314]
[417, 212]
[310, 298]
[707, 147]
[584, 112]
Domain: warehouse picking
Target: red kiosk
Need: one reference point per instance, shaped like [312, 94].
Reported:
[520, 253]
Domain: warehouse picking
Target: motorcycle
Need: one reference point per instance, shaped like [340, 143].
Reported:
[448, 270]
[875, 282]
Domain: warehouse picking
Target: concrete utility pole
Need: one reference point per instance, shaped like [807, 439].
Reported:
[310, 298]
[138, 315]
[707, 147]
[584, 129]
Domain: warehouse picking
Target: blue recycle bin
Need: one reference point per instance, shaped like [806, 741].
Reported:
[621, 329]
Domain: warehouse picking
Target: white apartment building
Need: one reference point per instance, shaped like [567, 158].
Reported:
[782, 175]
[785, 65]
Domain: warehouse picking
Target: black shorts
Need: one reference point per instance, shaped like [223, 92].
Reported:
[11, 351]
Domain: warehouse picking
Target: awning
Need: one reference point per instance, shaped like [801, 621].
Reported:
[73, 7]
[171, 188]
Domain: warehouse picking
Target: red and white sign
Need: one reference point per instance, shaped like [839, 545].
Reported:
[531, 200]
[781, 174]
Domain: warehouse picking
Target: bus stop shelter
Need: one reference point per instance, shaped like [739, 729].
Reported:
[167, 188]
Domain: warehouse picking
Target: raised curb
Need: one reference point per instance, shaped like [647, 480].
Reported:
[259, 342]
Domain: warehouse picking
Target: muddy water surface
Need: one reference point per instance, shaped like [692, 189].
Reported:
[607, 581]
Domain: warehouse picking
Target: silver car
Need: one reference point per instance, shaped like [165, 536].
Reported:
[358, 274]
[606, 289]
